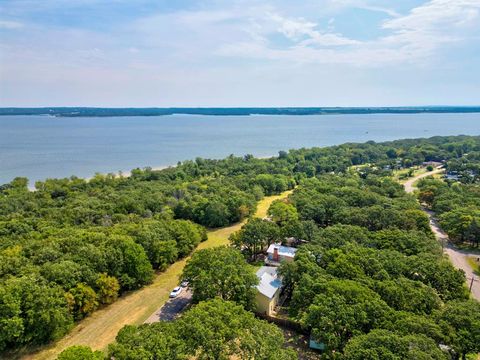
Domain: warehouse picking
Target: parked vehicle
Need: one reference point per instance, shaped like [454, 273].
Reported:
[175, 292]
[184, 283]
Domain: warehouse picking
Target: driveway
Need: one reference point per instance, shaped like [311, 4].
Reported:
[172, 308]
[409, 184]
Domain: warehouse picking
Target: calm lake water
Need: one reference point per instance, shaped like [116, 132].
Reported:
[40, 147]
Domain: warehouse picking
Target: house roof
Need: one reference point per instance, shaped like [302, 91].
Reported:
[272, 271]
[268, 283]
[282, 250]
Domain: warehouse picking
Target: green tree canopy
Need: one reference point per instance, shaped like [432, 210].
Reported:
[255, 236]
[385, 345]
[79, 352]
[282, 212]
[221, 272]
[462, 320]
[213, 329]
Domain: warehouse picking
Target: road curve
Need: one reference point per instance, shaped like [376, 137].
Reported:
[409, 185]
[457, 257]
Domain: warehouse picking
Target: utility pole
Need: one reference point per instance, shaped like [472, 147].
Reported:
[471, 283]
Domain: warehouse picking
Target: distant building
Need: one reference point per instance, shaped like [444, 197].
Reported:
[452, 175]
[276, 253]
[268, 290]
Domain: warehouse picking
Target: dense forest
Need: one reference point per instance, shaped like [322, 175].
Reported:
[457, 199]
[73, 245]
[369, 280]
[457, 206]
[372, 275]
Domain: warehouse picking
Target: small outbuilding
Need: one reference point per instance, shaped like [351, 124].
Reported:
[268, 290]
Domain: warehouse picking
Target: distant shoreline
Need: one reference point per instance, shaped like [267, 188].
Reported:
[243, 111]
[45, 147]
[128, 173]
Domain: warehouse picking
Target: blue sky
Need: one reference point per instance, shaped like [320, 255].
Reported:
[239, 53]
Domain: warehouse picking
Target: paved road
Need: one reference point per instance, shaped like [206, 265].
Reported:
[457, 257]
[172, 307]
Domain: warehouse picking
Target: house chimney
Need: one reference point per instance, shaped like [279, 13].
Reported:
[276, 256]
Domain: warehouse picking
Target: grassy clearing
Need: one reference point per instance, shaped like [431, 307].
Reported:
[472, 261]
[402, 175]
[264, 204]
[100, 329]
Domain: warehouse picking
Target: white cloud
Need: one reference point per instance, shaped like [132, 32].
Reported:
[429, 27]
[306, 31]
[412, 38]
[10, 25]
[435, 15]
[360, 4]
[217, 51]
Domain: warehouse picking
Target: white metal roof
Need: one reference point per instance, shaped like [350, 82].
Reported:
[268, 283]
[282, 250]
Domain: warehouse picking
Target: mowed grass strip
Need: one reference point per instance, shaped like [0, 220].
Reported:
[100, 329]
[474, 264]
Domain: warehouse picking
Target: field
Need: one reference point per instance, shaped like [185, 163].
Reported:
[100, 329]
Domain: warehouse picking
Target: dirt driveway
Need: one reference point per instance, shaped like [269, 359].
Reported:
[172, 308]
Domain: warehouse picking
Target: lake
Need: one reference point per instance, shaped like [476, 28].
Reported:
[40, 147]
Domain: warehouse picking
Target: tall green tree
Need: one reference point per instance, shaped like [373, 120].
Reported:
[107, 289]
[255, 236]
[221, 272]
[342, 310]
[281, 212]
[211, 330]
[462, 319]
[383, 344]
[219, 330]
[79, 352]
[82, 300]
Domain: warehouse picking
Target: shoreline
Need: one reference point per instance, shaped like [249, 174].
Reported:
[118, 174]
[128, 173]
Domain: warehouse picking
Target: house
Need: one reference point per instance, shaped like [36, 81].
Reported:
[452, 175]
[276, 253]
[268, 290]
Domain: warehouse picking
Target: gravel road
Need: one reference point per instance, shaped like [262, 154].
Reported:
[457, 257]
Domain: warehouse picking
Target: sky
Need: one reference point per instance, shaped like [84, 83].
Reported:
[239, 53]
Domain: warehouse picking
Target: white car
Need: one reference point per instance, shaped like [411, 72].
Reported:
[175, 292]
